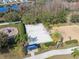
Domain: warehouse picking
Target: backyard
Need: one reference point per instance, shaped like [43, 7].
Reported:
[68, 32]
[57, 16]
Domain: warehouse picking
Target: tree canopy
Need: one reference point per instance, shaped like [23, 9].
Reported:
[11, 16]
[3, 39]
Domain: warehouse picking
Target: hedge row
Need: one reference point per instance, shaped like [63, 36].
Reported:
[71, 42]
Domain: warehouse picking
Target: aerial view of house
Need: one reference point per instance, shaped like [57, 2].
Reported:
[39, 29]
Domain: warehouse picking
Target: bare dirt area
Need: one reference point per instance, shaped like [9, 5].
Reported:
[71, 31]
[9, 56]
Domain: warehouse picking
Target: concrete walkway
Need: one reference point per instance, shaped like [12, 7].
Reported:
[7, 23]
[52, 53]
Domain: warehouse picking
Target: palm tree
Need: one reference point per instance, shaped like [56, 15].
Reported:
[75, 53]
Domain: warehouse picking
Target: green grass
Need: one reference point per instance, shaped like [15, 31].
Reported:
[22, 31]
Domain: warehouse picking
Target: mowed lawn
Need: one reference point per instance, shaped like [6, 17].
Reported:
[62, 57]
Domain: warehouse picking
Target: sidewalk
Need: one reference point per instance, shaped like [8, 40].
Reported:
[52, 53]
[7, 23]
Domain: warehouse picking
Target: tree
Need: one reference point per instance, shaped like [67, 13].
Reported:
[1, 14]
[11, 16]
[3, 39]
[58, 39]
[75, 19]
[60, 17]
[28, 19]
[72, 0]
[56, 36]
[75, 53]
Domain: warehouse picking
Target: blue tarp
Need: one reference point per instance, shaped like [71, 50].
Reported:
[31, 47]
[15, 7]
[6, 8]
[3, 9]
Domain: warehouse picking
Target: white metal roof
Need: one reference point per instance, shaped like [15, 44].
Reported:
[37, 34]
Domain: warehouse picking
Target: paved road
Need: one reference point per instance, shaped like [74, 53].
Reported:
[52, 53]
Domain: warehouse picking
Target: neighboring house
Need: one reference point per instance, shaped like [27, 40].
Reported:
[71, 5]
[56, 5]
[18, 5]
[10, 1]
[1, 1]
[74, 6]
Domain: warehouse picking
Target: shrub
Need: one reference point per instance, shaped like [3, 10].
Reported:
[12, 16]
[18, 50]
[28, 19]
[56, 36]
[3, 39]
[75, 19]
[50, 44]
[1, 14]
[71, 42]
[72, 0]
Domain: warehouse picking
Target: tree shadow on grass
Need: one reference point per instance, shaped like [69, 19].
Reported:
[4, 50]
[10, 45]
